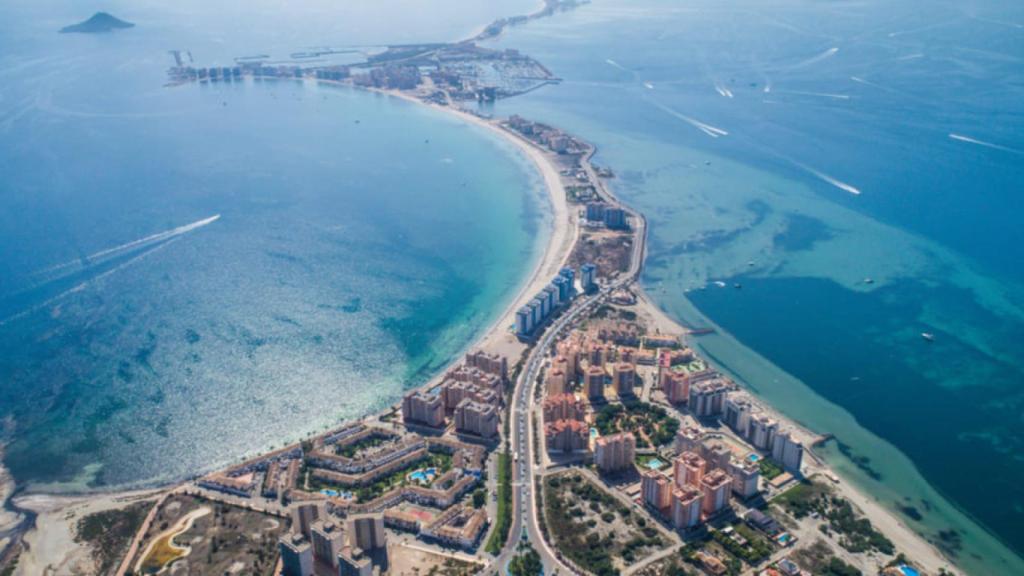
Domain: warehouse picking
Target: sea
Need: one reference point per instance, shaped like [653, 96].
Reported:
[192, 274]
[195, 273]
[827, 183]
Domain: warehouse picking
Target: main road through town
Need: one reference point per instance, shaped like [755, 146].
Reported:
[525, 514]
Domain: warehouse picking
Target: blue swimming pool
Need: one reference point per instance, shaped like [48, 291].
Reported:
[655, 464]
[753, 457]
[425, 475]
[908, 571]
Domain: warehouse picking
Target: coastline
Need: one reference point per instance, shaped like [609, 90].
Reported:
[906, 540]
[59, 512]
[564, 231]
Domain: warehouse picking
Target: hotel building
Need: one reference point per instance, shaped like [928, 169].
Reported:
[745, 477]
[558, 380]
[715, 487]
[624, 378]
[788, 451]
[566, 436]
[656, 489]
[615, 452]
[327, 539]
[296, 555]
[563, 407]
[686, 507]
[593, 382]
[689, 469]
[472, 417]
[423, 407]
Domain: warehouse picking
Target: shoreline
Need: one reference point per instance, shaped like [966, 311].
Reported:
[50, 506]
[922, 552]
[564, 233]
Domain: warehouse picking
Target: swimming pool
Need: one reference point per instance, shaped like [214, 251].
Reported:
[908, 571]
[753, 457]
[424, 476]
[655, 464]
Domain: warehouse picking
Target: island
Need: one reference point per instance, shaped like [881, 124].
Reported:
[98, 23]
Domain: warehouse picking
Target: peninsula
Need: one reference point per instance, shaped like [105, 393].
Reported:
[580, 435]
[98, 23]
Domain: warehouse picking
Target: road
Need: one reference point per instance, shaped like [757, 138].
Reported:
[524, 509]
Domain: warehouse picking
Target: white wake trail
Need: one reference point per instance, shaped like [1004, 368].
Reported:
[703, 127]
[815, 59]
[825, 177]
[134, 243]
[816, 94]
[968, 139]
[615, 64]
[85, 284]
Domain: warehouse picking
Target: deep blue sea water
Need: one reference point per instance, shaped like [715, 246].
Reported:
[361, 243]
[799, 148]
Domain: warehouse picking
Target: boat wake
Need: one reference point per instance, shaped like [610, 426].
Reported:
[826, 178]
[88, 281]
[159, 236]
[615, 64]
[815, 59]
[59, 281]
[816, 94]
[722, 90]
[968, 139]
[703, 127]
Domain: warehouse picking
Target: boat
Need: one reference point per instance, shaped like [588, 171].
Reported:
[928, 336]
[869, 281]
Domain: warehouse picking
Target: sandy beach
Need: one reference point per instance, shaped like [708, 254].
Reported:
[564, 231]
[52, 545]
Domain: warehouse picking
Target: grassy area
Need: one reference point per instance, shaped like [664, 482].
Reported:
[110, 532]
[641, 418]
[755, 551]
[503, 522]
[770, 469]
[802, 499]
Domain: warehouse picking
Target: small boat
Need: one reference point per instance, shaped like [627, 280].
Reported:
[928, 336]
[737, 286]
[869, 281]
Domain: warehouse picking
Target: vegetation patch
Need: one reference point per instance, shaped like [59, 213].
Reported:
[652, 425]
[855, 533]
[503, 519]
[591, 527]
[109, 533]
[770, 469]
[226, 539]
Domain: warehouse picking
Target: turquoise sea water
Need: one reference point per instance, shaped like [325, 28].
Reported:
[362, 242]
[797, 149]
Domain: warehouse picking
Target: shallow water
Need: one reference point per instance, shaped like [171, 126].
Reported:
[361, 242]
[799, 150]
